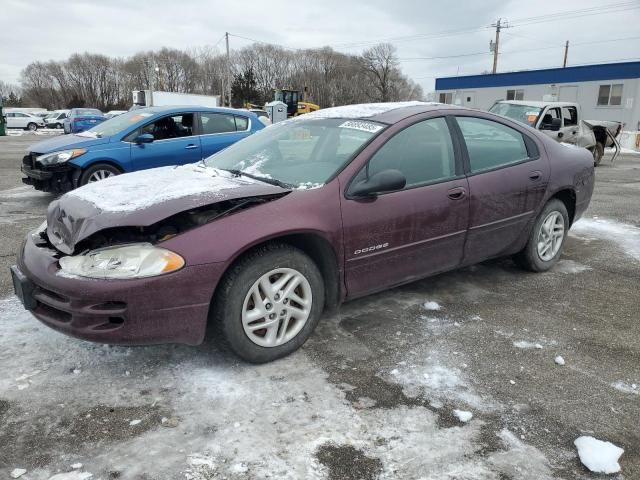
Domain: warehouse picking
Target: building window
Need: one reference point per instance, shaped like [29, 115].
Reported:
[446, 98]
[610, 94]
[515, 94]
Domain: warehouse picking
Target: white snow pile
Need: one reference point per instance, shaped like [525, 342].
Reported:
[598, 456]
[18, 472]
[463, 415]
[559, 360]
[625, 235]
[526, 345]
[362, 110]
[432, 305]
[138, 190]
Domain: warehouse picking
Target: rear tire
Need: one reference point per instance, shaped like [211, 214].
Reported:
[245, 300]
[598, 153]
[96, 172]
[547, 237]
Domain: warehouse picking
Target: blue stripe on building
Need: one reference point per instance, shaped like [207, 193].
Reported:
[585, 73]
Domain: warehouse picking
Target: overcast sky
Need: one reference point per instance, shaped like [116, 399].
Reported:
[33, 30]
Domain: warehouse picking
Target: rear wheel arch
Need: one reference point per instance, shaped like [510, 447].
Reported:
[568, 197]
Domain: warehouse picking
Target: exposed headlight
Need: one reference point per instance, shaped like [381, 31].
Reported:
[137, 260]
[60, 157]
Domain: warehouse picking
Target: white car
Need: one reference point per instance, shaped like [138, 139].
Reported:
[56, 119]
[114, 113]
[23, 120]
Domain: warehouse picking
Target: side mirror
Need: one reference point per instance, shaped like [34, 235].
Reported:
[144, 138]
[554, 126]
[385, 181]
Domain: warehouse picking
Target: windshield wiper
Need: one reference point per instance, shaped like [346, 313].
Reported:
[271, 181]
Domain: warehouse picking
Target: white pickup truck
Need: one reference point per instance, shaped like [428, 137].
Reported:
[563, 122]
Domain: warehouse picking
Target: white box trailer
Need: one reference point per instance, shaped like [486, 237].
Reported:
[146, 98]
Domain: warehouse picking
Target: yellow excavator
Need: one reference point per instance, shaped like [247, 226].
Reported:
[296, 104]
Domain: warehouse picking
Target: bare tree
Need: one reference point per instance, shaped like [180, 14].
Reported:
[328, 77]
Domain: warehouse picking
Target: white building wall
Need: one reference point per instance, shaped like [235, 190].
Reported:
[584, 93]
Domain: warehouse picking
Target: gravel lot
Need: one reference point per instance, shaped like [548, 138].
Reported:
[371, 395]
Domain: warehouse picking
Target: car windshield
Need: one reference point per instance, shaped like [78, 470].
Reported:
[116, 124]
[300, 153]
[88, 111]
[522, 113]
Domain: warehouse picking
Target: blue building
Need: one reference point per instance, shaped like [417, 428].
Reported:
[608, 91]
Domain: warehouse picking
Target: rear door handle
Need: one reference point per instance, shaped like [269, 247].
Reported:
[457, 193]
[191, 146]
[535, 175]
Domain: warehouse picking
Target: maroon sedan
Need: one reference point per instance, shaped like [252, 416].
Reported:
[260, 238]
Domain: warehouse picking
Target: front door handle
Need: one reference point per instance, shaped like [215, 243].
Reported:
[533, 176]
[191, 146]
[457, 193]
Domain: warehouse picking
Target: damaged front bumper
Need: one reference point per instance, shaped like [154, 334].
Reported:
[170, 308]
[58, 178]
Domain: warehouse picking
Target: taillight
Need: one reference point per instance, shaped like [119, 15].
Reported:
[79, 119]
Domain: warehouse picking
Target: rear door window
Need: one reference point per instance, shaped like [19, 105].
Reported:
[570, 116]
[491, 144]
[217, 123]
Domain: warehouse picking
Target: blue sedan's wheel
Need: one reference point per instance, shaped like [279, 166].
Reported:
[97, 172]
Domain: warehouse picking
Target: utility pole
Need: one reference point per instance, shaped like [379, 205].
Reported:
[496, 45]
[566, 53]
[226, 35]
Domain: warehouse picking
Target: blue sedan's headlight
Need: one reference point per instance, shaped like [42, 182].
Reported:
[60, 157]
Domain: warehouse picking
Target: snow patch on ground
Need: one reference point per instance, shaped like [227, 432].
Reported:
[569, 267]
[139, 190]
[463, 415]
[598, 456]
[236, 420]
[526, 345]
[431, 305]
[625, 235]
[626, 387]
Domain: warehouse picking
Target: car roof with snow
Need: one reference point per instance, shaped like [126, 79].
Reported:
[388, 112]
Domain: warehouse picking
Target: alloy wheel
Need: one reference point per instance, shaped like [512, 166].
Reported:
[550, 236]
[100, 175]
[277, 307]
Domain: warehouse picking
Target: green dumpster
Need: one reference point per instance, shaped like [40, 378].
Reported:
[2, 121]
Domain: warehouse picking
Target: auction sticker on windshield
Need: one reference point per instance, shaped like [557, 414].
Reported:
[360, 125]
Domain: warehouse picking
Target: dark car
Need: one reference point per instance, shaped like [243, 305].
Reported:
[262, 237]
[137, 140]
[81, 119]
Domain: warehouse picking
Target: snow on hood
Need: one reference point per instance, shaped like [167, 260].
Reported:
[142, 199]
[362, 110]
[139, 190]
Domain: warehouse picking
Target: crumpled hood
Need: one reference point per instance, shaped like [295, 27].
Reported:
[64, 142]
[142, 199]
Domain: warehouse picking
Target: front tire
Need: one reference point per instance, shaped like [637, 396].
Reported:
[546, 241]
[269, 303]
[32, 127]
[97, 172]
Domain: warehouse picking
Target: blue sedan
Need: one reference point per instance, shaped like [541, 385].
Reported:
[137, 140]
[81, 119]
